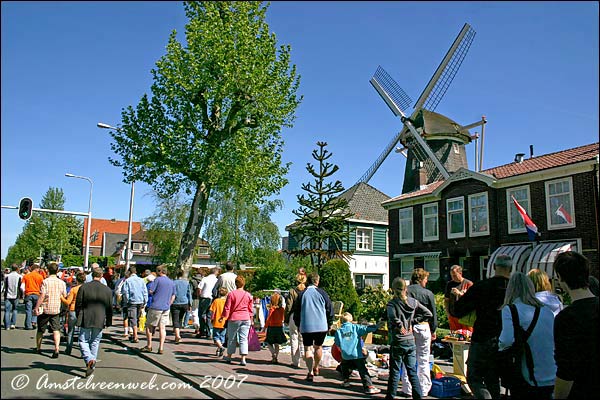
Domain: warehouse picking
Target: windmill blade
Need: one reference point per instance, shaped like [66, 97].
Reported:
[393, 95]
[375, 166]
[445, 72]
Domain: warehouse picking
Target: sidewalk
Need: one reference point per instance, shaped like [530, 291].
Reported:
[194, 361]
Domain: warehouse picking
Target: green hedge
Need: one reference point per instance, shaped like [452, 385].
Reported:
[336, 280]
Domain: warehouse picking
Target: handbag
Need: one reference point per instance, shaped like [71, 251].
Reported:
[469, 319]
[253, 342]
[509, 359]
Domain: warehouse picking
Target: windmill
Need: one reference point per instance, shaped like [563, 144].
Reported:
[433, 144]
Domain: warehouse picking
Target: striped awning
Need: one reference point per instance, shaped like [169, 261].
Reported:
[543, 255]
[518, 253]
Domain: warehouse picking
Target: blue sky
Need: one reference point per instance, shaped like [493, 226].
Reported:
[532, 70]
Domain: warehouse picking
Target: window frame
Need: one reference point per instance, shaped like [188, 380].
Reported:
[473, 233]
[448, 219]
[410, 220]
[436, 216]
[510, 207]
[550, 212]
[365, 229]
[404, 260]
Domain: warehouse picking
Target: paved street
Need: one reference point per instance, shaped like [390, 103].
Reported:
[26, 374]
[193, 361]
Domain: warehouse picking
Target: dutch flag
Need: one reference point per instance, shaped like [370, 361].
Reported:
[532, 229]
[561, 212]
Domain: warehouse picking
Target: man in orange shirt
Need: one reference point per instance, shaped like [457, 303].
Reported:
[33, 282]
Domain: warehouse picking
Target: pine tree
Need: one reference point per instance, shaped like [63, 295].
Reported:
[321, 225]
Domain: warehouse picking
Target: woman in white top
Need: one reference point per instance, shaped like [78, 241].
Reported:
[521, 293]
[543, 290]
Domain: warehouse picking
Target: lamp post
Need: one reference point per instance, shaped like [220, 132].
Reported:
[86, 256]
[127, 253]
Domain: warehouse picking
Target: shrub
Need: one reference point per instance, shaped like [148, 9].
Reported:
[441, 311]
[373, 302]
[270, 277]
[336, 280]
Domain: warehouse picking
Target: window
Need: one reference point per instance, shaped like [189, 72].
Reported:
[407, 266]
[559, 204]
[478, 215]
[361, 281]
[432, 265]
[455, 210]
[202, 251]
[430, 222]
[515, 221]
[405, 216]
[141, 247]
[364, 239]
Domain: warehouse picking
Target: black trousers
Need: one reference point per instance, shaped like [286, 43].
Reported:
[357, 364]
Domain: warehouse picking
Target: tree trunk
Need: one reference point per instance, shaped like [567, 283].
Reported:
[193, 228]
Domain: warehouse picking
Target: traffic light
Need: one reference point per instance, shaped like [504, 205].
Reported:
[25, 208]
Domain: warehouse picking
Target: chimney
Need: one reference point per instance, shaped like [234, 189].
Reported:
[519, 157]
[421, 176]
[530, 151]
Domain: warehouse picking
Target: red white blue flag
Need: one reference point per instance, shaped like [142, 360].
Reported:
[562, 212]
[532, 229]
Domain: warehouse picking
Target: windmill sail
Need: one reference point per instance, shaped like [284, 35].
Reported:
[420, 153]
[446, 71]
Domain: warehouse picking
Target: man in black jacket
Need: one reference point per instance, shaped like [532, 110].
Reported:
[485, 297]
[94, 312]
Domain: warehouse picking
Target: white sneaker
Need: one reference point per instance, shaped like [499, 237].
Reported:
[13, 327]
[372, 390]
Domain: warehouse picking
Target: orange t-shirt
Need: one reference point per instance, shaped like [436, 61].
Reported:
[70, 300]
[216, 308]
[275, 318]
[33, 283]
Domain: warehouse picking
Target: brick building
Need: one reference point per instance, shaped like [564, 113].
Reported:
[470, 218]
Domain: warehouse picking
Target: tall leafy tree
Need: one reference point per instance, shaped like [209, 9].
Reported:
[166, 225]
[237, 229]
[321, 225]
[214, 118]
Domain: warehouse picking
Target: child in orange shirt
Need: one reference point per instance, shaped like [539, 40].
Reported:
[219, 328]
[274, 326]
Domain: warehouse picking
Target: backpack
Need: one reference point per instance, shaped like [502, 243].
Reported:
[509, 359]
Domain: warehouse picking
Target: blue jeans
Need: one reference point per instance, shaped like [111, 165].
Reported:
[403, 353]
[237, 331]
[481, 370]
[10, 312]
[30, 302]
[89, 343]
[71, 319]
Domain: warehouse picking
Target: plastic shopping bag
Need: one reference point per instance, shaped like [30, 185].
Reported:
[253, 342]
[142, 321]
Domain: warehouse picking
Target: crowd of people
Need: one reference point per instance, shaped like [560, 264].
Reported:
[563, 360]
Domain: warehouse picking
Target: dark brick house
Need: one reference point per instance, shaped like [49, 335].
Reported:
[470, 218]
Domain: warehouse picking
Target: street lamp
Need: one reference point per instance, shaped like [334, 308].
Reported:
[127, 253]
[86, 256]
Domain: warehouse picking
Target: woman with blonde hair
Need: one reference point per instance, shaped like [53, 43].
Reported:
[520, 292]
[543, 290]
[403, 312]
[295, 337]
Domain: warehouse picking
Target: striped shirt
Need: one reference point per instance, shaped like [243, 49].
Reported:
[51, 290]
